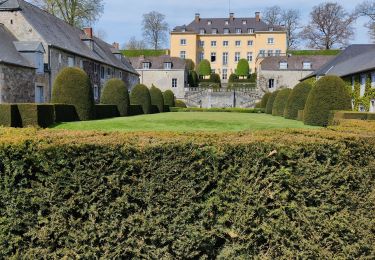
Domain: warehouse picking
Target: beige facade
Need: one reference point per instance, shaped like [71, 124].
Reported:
[288, 79]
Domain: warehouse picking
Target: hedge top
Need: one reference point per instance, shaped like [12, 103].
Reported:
[243, 69]
[140, 95]
[297, 99]
[115, 92]
[204, 68]
[280, 102]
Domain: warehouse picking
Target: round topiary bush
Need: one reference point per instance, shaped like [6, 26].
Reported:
[329, 93]
[140, 95]
[157, 98]
[243, 69]
[116, 93]
[263, 102]
[270, 102]
[180, 103]
[297, 100]
[204, 68]
[72, 86]
[169, 98]
[280, 102]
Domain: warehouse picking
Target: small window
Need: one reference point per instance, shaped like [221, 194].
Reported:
[270, 53]
[250, 30]
[81, 64]
[174, 83]
[60, 58]
[277, 52]
[250, 43]
[183, 42]
[120, 74]
[237, 56]
[249, 56]
[70, 62]
[214, 31]
[167, 65]
[225, 43]
[209, 22]
[213, 56]
[270, 40]
[271, 83]
[96, 92]
[283, 65]
[39, 94]
[213, 43]
[146, 65]
[109, 72]
[225, 74]
[244, 22]
[373, 80]
[213, 71]
[363, 85]
[262, 53]
[201, 43]
[183, 54]
[102, 72]
[353, 83]
[238, 43]
[183, 29]
[361, 108]
[201, 56]
[372, 106]
[226, 31]
[238, 30]
[226, 22]
[307, 65]
[225, 58]
[270, 29]
[202, 31]
[39, 63]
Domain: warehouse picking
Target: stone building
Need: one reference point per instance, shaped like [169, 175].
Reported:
[165, 72]
[286, 71]
[65, 46]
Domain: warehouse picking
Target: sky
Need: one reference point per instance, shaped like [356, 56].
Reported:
[122, 19]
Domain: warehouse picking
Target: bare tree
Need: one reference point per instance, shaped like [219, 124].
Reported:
[330, 25]
[367, 9]
[101, 34]
[273, 15]
[155, 29]
[75, 12]
[134, 44]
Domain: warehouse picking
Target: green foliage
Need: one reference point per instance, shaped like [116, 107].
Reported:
[166, 108]
[297, 100]
[147, 53]
[243, 69]
[134, 110]
[157, 98]
[270, 102]
[169, 98]
[355, 91]
[116, 93]
[280, 102]
[140, 95]
[313, 52]
[65, 113]
[42, 115]
[104, 111]
[193, 79]
[180, 103]
[226, 110]
[204, 68]
[336, 116]
[232, 78]
[264, 101]
[300, 115]
[10, 116]
[190, 65]
[329, 93]
[72, 87]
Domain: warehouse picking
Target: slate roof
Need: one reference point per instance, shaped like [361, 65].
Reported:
[157, 63]
[9, 5]
[295, 62]
[8, 52]
[354, 59]
[29, 46]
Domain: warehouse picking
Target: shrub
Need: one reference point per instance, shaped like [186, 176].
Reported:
[297, 100]
[65, 113]
[193, 79]
[104, 111]
[10, 116]
[270, 102]
[140, 95]
[154, 110]
[190, 65]
[258, 104]
[134, 110]
[72, 86]
[116, 93]
[166, 108]
[215, 78]
[263, 102]
[204, 68]
[280, 102]
[42, 115]
[157, 98]
[300, 115]
[169, 98]
[329, 93]
[243, 69]
[180, 103]
[232, 78]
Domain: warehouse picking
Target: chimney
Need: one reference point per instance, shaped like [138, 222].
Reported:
[197, 18]
[257, 16]
[231, 16]
[88, 31]
[116, 45]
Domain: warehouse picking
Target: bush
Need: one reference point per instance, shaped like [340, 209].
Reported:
[300, 115]
[154, 110]
[42, 115]
[116, 93]
[297, 100]
[263, 102]
[157, 98]
[193, 79]
[180, 103]
[106, 111]
[204, 68]
[226, 110]
[169, 98]
[134, 110]
[190, 65]
[270, 102]
[329, 93]
[232, 78]
[280, 102]
[166, 108]
[10, 116]
[72, 86]
[243, 69]
[140, 95]
[65, 113]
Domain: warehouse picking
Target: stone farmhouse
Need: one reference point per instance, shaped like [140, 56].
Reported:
[165, 72]
[356, 65]
[286, 71]
[36, 32]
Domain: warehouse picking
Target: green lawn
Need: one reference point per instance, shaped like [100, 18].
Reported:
[187, 122]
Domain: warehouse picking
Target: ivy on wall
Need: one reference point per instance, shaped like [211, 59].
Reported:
[355, 92]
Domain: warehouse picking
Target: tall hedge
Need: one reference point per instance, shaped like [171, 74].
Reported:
[270, 102]
[280, 102]
[140, 95]
[116, 93]
[72, 86]
[169, 98]
[243, 69]
[204, 68]
[264, 101]
[157, 98]
[297, 100]
[193, 79]
[329, 93]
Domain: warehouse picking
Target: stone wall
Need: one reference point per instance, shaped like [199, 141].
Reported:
[17, 84]
[285, 78]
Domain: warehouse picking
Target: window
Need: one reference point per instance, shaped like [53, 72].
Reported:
[226, 22]
[183, 54]
[174, 83]
[39, 63]
[209, 22]
[202, 31]
[238, 43]
[39, 94]
[238, 30]
[262, 53]
[270, 29]
[250, 43]
[271, 83]
[183, 29]
[250, 30]
[270, 40]
[213, 56]
[353, 104]
[244, 22]
[201, 43]
[60, 58]
[201, 56]
[102, 74]
[363, 85]
[213, 71]
[225, 74]
[183, 42]
[167, 65]
[270, 53]
[214, 31]
[146, 65]
[372, 106]
[81, 64]
[237, 56]
[278, 53]
[96, 92]
[226, 31]
[249, 56]
[307, 65]
[361, 108]
[225, 43]
[213, 43]
[225, 58]
[70, 62]
[373, 80]
[120, 74]
[353, 83]
[109, 72]
[283, 65]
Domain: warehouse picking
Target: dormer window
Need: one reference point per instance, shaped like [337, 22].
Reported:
[183, 29]
[167, 65]
[226, 22]
[270, 29]
[244, 22]
[202, 31]
[209, 22]
[238, 30]
[226, 31]
[283, 65]
[307, 65]
[214, 31]
[250, 30]
[146, 65]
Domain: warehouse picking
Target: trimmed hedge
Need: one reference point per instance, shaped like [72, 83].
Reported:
[263, 102]
[106, 111]
[280, 102]
[65, 113]
[270, 102]
[169, 98]
[140, 95]
[157, 98]
[329, 93]
[281, 195]
[72, 87]
[204, 68]
[166, 108]
[180, 103]
[115, 92]
[154, 110]
[336, 116]
[42, 115]
[297, 100]
[134, 110]
[243, 69]
[233, 109]
[10, 116]
[300, 115]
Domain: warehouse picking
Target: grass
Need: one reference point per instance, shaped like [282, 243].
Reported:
[314, 52]
[187, 122]
[147, 53]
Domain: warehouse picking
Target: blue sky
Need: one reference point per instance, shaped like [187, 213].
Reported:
[122, 19]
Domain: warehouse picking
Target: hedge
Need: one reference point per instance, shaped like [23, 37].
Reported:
[266, 96]
[233, 109]
[169, 98]
[297, 100]
[243, 69]
[300, 115]
[134, 110]
[180, 103]
[140, 95]
[166, 108]
[157, 98]
[277, 195]
[106, 111]
[329, 93]
[280, 102]
[42, 115]
[10, 116]
[72, 87]
[65, 113]
[337, 116]
[270, 102]
[204, 68]
[115, 92]
[154, 109]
